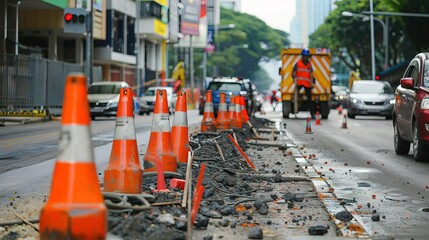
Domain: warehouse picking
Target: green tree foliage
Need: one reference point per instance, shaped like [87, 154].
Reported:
[231, 58]
[416, 28]
[349, 37]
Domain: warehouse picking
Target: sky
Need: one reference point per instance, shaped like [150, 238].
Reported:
[275, 13]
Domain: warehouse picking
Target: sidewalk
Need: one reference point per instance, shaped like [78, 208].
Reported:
[10, 121]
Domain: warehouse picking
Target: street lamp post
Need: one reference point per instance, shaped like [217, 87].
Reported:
[372, 41]
[385, 26]
[400, 14]
[385, 39]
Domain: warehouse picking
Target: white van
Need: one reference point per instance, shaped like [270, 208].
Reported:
[103, 98]
[147, 101]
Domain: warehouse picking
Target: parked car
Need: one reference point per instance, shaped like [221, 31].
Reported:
[411, 110]
[147, 101]
[339, 96]
[103, 98]
[230, 86]
[369, 97]
[250, 95]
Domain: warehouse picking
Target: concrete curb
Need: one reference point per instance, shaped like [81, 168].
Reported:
[326, 194]
[8, 121]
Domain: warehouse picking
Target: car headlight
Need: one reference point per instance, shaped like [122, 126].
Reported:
[425, 103]
[355, 100]
[392, 101]
[112, 104]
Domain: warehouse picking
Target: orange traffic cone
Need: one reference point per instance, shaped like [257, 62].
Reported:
[124, 174]
[75, 208]
[160, 145]
[318, 118]
[231, 112]
[222, 114]
[244, 110]
[238, 117]
[340, 109]
[179, 131]
[344, 125]
[208, 124]
[308, 127]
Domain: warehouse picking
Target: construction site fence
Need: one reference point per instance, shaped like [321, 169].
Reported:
[31, 82]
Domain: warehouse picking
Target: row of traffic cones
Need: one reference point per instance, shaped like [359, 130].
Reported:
[232, 117]
[318, 122]
[75, 199]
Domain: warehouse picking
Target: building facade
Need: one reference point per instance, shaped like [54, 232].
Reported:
[127, 36]
[309, 14]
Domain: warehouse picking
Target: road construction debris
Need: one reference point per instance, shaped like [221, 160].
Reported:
[375, 217]
[344, 216]
[237, 201]
[318, 230]
[256, 233]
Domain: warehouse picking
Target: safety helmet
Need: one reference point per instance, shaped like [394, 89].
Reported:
[305, 52]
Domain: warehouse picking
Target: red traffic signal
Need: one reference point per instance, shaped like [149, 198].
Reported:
[75, 20]
[68, 17]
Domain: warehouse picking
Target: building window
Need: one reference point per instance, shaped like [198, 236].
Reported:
[118, 32]
[151, 9]
[131, 39]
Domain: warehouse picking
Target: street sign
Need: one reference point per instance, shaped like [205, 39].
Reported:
[75, 20]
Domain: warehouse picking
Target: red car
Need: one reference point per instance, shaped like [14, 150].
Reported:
[411, 110]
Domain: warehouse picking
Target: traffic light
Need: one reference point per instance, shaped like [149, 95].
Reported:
[75, 20]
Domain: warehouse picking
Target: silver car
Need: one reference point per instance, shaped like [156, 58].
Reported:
[103, 98]
[369, 97]
[147, 101]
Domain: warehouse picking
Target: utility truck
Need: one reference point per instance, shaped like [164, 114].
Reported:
[321, 92]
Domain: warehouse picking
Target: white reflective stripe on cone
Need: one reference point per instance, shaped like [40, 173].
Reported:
[125, 129]
[222, 107]
[237, 107]
[180, 119]
[161, 122]
[231, 107]
[75, 144]
[208, 107]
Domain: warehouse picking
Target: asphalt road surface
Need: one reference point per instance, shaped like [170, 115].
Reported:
[35, 146]
[361, 165]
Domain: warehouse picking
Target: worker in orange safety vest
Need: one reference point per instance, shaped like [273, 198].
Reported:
[303, 74]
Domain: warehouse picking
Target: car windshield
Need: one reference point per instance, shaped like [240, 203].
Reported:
[426, 74]
[371, 87]
[341, 92]
[338, 88]
[104, 89]
[150, 92]
[226, 87]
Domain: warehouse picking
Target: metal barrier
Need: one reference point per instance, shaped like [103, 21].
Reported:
[30, 82]
[28, 113]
